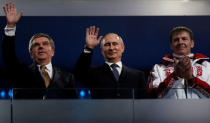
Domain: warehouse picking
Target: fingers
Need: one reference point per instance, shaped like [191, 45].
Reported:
[178, 70]
[20, 14]
[5, 10]
[9, 7]
[99, 39]
[186, 59]
[87, 31]
[187, 65]
[92, 30]
[184, 67]
[97, 31]
[13, 7]
[188, 73]
[175, 61]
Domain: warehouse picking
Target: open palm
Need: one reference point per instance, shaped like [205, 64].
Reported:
[92, 39]
[11, 14]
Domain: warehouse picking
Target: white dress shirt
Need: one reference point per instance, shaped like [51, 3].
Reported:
[49, 69]
[119, 68]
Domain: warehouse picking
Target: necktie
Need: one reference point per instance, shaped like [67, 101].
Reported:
[46, 76]
[115, 72]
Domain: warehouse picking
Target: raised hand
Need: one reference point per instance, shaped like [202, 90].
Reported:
[92, 39]
[11, 14]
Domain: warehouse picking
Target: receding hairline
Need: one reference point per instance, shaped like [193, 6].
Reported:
[114, 34]
[40, 35]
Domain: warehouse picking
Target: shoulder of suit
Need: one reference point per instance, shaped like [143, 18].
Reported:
[132, 69]
[32, 66]
[61, 71]
[57, 69]
[100, 66]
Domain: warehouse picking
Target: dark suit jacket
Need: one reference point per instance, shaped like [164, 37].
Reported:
[29, 78]
[101, 77]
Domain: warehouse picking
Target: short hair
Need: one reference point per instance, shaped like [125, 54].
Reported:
[103, 40]
[38, 35]
[180, 29]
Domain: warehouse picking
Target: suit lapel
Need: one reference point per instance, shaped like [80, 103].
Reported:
[55, 77]
[109, 72]
[123, 74]
[37, 75]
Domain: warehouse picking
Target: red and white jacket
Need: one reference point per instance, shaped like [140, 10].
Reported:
[164, 84]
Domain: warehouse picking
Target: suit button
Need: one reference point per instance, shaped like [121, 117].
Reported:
[118, 94]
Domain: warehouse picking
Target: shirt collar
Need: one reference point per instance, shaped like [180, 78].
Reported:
[48, 66]
[118, 63]
[180, 56]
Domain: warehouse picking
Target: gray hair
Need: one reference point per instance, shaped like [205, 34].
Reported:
[103, 40]
[38, 35]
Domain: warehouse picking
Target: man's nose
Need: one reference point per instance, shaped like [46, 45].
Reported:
[181, 40]
[111, 46]
[41, 46]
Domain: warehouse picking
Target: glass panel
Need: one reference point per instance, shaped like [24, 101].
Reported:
[79, 93]
[109, 105]
[44, 93]
[5, 105]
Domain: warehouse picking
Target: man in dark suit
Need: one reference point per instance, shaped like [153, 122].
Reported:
[112, 79]
[41, 74]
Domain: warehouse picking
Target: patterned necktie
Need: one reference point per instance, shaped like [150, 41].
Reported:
[46, 76]
[115, 71]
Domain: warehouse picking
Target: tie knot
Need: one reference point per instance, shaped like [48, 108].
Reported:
[43, 67]
[114, 66]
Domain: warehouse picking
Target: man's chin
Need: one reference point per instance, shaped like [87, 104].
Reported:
[111, 57]
[181, 53]
[41, 58]
[43, 55]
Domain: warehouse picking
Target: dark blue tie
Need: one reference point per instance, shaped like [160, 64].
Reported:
[115, 72]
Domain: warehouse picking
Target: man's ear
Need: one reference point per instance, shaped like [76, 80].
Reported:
[123, 48]
[53, 52]
[31, 54]
[192, 43]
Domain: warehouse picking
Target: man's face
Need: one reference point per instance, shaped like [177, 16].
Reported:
[42, 50]
[112, 48]
[181, 43]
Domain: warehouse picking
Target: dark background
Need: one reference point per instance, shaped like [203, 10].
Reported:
[146, 38]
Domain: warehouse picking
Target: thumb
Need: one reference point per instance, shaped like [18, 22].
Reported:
[175, 61]
[99, 39]
[20, 14]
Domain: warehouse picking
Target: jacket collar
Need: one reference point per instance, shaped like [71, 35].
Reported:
[168, 58]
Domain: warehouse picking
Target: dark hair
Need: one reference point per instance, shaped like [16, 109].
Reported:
[180, 29]
[38, 35]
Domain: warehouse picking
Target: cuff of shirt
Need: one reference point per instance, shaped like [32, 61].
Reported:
[9, 31]
[87, 50]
